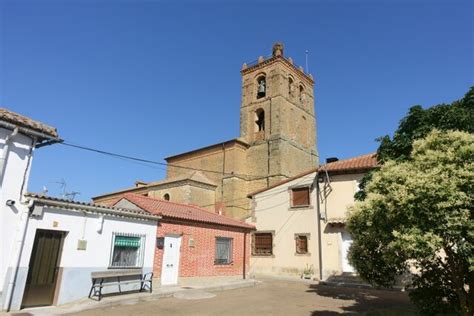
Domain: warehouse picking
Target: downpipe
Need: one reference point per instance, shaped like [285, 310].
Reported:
[13, 275]
[19, 242]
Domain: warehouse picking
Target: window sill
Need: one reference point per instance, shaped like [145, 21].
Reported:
[263, 256]
[131, 268]
[300, 207]
[308, 254]
[224, 264]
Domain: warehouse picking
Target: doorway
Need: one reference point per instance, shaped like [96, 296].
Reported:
[43, 268]
[170, 267]
[346, 244]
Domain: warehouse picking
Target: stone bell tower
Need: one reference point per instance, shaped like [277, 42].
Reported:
[277, 118]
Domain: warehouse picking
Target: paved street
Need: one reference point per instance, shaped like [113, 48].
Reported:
[272, 297]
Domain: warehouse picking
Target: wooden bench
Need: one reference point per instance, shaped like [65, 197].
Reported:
[101, 279]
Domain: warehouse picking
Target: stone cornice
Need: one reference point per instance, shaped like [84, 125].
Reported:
[284, 61]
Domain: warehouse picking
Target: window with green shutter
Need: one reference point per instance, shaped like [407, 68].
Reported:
[127, 251]
[127, 241]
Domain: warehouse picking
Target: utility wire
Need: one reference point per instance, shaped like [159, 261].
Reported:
[153, 162]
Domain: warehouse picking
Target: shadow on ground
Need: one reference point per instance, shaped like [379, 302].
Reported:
[371, 302]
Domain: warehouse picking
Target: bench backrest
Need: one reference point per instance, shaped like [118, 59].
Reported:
[115, 273]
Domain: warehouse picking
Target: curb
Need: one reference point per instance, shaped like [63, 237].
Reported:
[143, 297]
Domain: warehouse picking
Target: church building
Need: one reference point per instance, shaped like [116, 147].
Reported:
[277, 141]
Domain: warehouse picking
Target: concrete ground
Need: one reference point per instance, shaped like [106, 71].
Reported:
[270, 297]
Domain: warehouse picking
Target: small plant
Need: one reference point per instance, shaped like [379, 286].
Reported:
[308, 271]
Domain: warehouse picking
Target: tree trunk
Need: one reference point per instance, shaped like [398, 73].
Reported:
[460, 277]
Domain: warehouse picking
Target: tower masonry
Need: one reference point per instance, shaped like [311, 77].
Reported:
[277, 118]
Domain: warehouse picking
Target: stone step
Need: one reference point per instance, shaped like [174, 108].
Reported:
[346, 279]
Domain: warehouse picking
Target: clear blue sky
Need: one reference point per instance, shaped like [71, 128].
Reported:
[152, 79]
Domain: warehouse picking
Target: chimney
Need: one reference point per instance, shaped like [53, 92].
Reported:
[331, 159]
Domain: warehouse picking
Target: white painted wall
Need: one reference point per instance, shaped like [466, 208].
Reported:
[15, 182]
[76, 265]
[272, 212]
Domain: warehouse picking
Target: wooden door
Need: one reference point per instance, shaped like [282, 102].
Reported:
[43, 268]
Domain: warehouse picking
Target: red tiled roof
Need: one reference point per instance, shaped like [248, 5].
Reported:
[363, 162]
[23, 121]
[77, 204]
[355, 164]
[182, 211]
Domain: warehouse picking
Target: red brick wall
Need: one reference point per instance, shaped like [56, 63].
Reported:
[198, 261]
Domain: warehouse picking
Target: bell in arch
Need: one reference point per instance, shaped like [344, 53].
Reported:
[261, 88]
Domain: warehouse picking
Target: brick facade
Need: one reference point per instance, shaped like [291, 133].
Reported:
[197, 258]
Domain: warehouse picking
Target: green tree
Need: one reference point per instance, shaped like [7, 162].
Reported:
[458, 115]
[417, 218]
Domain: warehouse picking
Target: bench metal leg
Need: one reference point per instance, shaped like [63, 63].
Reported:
[96, 289]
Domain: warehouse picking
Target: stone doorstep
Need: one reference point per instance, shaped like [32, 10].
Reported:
[130, 299]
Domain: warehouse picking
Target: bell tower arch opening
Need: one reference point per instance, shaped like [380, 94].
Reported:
[277, 118]
[261, 86]
[260, 120]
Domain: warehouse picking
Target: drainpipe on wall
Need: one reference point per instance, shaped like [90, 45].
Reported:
[245, 256]
[14, 273]
[24, 219]
[318, 215]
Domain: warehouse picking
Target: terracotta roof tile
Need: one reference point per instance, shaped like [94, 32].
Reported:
[182, 211]
[363, 162]
[76, 204]
[23, 121]
[355, 164]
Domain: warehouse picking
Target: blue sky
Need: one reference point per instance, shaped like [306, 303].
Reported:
[152, 79]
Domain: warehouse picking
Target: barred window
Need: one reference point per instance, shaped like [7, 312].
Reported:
[223, 251]
[262, 244]
[127, 251]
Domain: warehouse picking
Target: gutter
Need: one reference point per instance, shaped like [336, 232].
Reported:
[49, 139]
[90, 208]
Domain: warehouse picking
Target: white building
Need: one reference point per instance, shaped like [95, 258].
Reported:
[301, 221]
[65, 241]
[49, 246]
[19, 136]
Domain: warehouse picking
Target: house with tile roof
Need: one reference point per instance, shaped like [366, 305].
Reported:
[192, 242]
[300, 221]
[50, 246]
[20, 136]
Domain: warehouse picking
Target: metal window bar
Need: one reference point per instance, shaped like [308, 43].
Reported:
[139, 255]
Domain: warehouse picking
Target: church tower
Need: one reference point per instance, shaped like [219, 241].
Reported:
[277, 119]
[277, 141]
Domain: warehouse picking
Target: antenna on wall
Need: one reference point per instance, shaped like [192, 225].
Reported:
[71, 195]
[307, 67]
[68, 195]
